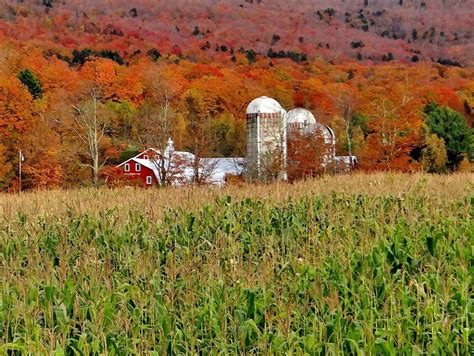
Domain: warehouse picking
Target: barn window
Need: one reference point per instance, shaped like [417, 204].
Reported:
[127, 167]
[149, 180]
[145, 157]
[138, 167]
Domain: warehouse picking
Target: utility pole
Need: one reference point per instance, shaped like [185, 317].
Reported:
[21, 158]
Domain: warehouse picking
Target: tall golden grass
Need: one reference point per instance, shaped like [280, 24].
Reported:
[153, 202]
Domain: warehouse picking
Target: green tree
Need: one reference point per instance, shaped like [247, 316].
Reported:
[123, 118]
[452, 127]
[32, 82]
[362, 121]
[358, 140]
[433, 155]
[228, 136]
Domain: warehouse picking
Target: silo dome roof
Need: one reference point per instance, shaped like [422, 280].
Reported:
[327, 133]
[264, 105]
[300, 116]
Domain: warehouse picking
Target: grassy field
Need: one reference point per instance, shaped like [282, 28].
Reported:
[373, 264]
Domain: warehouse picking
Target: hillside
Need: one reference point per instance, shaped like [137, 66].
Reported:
[362, 30]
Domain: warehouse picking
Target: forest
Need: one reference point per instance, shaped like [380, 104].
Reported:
[84, 86]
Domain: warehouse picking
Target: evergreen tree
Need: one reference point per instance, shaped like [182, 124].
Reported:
[32, 82]
[251, 56]
[154, 54]
[452, 127]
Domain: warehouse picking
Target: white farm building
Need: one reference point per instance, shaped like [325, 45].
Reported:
[269, 129]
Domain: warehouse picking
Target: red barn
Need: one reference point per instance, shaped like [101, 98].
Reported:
[179, 170]
[141, 169]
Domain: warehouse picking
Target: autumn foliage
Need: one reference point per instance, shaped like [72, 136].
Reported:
[156, 75]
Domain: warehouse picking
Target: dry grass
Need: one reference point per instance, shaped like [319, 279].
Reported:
[154, 202]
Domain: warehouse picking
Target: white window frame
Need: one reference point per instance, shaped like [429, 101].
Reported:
[149, 180]
[146, 157]
[138, 167]
[127, 167]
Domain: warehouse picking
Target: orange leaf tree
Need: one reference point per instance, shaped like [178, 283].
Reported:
[393, 107]
[15, 120]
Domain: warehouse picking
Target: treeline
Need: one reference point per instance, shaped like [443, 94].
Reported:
[72, 119]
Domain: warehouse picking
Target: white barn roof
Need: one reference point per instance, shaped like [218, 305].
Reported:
[221, 167]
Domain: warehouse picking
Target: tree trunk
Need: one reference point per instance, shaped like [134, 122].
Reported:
[95, 147]
[349, 140]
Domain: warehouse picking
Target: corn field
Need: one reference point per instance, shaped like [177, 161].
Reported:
[364, 264]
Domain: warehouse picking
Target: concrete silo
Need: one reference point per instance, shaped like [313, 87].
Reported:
[302, 122]
[329, 139]
[266, 140]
